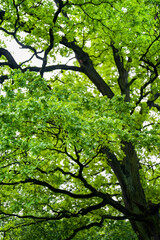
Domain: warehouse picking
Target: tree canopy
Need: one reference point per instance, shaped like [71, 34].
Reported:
[79, 119]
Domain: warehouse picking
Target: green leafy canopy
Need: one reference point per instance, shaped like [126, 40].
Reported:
[79, 119]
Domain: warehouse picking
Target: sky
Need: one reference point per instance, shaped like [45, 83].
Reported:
[20, 55]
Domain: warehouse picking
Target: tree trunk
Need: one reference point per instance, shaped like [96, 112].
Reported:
[128, 172]
[148, 226]
[148, 230]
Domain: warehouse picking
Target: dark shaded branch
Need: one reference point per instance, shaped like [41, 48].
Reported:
[132, 81]
[54, 67]
[37, 69]
[24, 46]
[91, 208]
[27, 216]
[123, 73]
[115, 165]
[3, 78]
[60, 2]
[28, 59]
[47, 52]
[57, 169]
[105, 196]
[153, 77]
[94, 224]
[88, 68]
[151, 103]
[2, 13]
[22, 225]
[11, 61]
[107, 199]
[144, 55]
[97, 224]
[50, 187]
[89, 2]
[51, 36]
[66, 214]
[59, 214]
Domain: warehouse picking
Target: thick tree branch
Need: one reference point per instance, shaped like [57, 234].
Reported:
[54, 67]
[50, 187]
[115, 165]
[127, 173]
[60, 3]
[88, 68]
[11, 61]
[151, 103]
[100, 223]
[3, 78]
[94, 224]
[37, 69]
[123, 73]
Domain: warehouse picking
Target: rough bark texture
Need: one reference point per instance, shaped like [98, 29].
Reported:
[134, 197]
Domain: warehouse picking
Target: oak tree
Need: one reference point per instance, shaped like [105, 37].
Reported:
[80, 135]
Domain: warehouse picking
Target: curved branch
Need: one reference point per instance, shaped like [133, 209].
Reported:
[3, 78]
[96, 224]
[27, 216]
[50, 187]
[51, 37]
[144, 55]
[153, 77]
[11, 61]
[123, 73]
[88, 68]
[151, 103]
[54, 67]
[24, 46]
[22, 225]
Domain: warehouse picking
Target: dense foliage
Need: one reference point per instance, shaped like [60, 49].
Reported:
[79, 147]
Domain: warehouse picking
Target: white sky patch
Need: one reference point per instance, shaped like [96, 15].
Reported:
[124, 9]
[21, 55]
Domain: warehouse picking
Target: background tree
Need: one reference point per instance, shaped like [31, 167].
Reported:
[81, 145]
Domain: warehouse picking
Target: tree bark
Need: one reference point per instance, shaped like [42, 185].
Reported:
[134, 197]
[88, 68]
